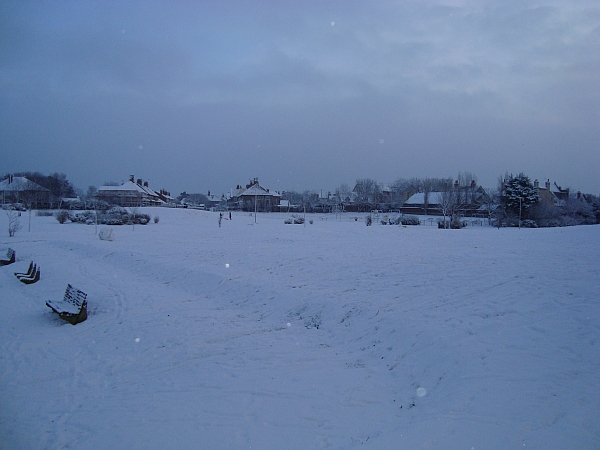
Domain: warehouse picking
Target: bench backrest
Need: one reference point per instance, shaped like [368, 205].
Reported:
[75, 296]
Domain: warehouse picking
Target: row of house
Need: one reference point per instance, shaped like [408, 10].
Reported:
[135, 193]
[472, 199]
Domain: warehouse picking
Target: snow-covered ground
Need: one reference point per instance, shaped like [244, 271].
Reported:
[273, 336]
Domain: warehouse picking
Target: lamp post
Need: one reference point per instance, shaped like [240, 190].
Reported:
[520, 204]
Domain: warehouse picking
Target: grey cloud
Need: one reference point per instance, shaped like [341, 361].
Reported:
[223, 87]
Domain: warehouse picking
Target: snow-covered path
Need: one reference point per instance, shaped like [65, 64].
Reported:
[318, 336]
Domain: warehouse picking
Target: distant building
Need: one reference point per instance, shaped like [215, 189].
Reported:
[467, 201]
[254, 196]
[20, 190]
[133, 194]
[549, 196]
[422, 204]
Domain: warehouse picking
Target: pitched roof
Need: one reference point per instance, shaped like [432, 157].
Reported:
[419, 198]
[127, 186]
[20, 184]
[257, 190]
[130, 186]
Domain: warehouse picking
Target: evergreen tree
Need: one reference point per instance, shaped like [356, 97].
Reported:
[519, 194]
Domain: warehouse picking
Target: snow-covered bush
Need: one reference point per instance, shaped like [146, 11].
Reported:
[106, 234]
[296, 219]
[155, 219]
[83, 217]
[410, 220]
[368, 221]
[528, 224]
[444, 224]
[114, 216]
[62, 216]
[457, 223]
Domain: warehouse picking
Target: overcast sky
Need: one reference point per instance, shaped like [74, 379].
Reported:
[206, 95]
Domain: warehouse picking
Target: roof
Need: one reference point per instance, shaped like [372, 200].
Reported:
[130, 186]
[256, 190]
[419, 198]
[20, 184]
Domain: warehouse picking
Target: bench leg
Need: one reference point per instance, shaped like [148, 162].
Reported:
[74, 320]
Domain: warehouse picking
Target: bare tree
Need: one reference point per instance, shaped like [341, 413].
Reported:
[13, 222]
[343, 192]
[30, 196]
[447, 201]
[490, 202]
[368, 193]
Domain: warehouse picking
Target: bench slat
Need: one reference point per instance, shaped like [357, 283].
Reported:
[74, 303]
[62, 307]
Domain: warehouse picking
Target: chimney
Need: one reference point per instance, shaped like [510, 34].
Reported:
[139, 181]
[548, 184]
[131, 177]
[145, 184]
[536, 184]
[473, 184]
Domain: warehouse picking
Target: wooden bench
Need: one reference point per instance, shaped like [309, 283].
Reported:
[28, 273]
[10, 255]
[73, 307]
[32, 275]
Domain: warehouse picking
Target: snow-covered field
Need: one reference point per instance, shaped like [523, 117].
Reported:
[273, 336]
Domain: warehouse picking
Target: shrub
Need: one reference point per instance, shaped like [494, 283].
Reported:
[368, 221]
[410, 220]
[106, 234]
[155, 219]
[528, 224]
[83, 217]
[444, 224]
[62, 216]
[457, 223]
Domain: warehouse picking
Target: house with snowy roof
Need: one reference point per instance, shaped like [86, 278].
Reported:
[466, 201]
[551, 196]
[254, 196]
[133, 193]
[15, 190]
[423, 203]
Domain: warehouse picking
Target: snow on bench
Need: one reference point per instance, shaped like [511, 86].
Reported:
[73, 307]
[10, 255]
[28, 273]
[31, 276]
